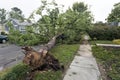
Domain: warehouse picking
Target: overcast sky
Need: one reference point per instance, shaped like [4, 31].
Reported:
[99, 8]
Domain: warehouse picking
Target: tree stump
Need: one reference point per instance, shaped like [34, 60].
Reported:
[42, 59]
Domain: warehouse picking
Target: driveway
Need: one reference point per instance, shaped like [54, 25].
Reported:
[10, 55]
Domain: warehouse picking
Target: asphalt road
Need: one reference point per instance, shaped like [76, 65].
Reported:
[10, 55]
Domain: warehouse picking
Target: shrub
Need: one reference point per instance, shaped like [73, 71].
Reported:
[3, 33]
[104, 33]
[116, 41]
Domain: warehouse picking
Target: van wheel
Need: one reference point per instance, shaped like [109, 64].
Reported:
[3, 41]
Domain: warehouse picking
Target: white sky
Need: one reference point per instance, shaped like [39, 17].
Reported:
[99, 8]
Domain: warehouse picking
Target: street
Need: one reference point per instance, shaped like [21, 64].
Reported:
[9, 55]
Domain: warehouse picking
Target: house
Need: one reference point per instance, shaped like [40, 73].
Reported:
[18, 25]
[114, 23]
[2, 29]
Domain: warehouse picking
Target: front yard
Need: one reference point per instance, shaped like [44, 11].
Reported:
[108, 61]
[101, 42]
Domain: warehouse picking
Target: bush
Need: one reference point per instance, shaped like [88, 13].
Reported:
[3, 33]
[116, 41]
[104, 33]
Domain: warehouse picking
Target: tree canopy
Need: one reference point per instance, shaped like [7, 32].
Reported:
[3, 14]
[114, 16]
[77, 20]
[52, 21]
[16, 13]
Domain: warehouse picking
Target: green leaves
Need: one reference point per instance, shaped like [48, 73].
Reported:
[3, 14]
[79, 7]
[104, 33]
[28, 38]
[16, 13]
[114, 16]
[76, 20]
[52, 22]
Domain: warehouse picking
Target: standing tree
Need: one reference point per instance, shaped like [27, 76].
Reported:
[16, 13]
[79, 7]
[82, 17]
[2, 16]
[3, 20]
[77, 19]
[114, 16]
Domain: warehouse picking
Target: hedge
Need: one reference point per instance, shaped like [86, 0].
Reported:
[104, 33]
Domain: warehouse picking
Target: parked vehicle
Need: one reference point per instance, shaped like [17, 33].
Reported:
[3, 38]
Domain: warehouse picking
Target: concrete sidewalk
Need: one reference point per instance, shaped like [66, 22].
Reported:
[84, 66]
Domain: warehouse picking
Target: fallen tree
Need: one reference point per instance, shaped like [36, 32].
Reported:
[42, 59]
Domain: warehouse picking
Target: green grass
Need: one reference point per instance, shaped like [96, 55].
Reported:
[110, 59]
[64, 53]
[101, 42]
[18, 72]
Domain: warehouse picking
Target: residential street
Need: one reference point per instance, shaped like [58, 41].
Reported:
[9, 55]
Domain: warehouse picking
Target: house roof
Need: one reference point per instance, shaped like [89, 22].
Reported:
[25, 23]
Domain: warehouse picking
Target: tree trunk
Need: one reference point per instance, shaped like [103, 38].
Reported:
[41, 59]
[49, 45]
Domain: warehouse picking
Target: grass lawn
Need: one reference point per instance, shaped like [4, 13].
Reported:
[64, 53]
[110, 60]
[101, 42]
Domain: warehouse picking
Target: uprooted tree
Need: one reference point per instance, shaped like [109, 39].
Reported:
[42, 59]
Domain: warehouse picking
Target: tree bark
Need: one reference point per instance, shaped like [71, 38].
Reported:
[49, 45]
[41, 59]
